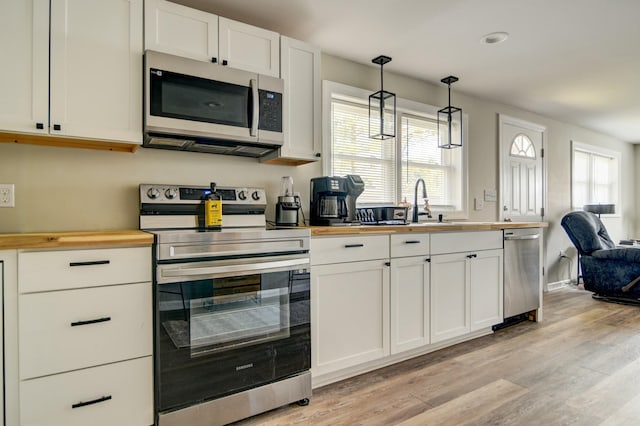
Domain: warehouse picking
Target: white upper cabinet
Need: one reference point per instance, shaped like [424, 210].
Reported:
[180, 30]
[191, 33]
[88, 83]
[249, 48]
[24, 43]
[300, 70]
[96, 69]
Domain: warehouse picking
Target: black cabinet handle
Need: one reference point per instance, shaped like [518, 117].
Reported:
[93, 321]
[95, 401]
[94, 262]
[428, 260]
[39, 126]
[353, 245]
[471, 256]
[412, 242]
[387, 263]
[214, 60]
[57, 127]
[225, 62]
[318, 155]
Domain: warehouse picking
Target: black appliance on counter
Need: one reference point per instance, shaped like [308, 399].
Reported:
[385, 215]
[231, 308]
[333, 200]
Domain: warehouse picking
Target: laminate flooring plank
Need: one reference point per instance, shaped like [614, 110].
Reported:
[627, 415]
[465, 408]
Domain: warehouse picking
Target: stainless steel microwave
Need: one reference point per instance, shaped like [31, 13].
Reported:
[191, 105]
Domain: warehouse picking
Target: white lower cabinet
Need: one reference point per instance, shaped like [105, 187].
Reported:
[113, 394]
[486, 286]
[409, 303]
[350, 314]
[449, 296]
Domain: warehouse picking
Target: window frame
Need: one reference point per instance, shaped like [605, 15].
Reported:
[331, 89]
[603, 152]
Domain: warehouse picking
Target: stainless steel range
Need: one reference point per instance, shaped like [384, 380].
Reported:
[232, 314]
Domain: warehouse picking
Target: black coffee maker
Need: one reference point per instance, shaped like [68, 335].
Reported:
[333, 199]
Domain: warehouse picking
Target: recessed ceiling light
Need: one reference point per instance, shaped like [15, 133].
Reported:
[494, 38]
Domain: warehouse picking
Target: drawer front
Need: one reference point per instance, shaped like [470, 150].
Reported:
[115, 394]
[458, 242]
[66, 269]
[68, 330]
[409, 244]
[348, 249]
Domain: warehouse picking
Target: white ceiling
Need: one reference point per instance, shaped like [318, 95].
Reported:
[577, 61]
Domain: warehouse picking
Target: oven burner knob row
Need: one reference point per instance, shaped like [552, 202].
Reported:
[255, 195]
[153, 193]
[171, 193]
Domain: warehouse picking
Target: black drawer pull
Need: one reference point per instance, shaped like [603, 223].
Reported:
[93, 321]
[353, 245]
[387, 263]
[39, 126]
[471, 256]
[94, 262]
[428, 260]
[57, 127]
[95, 401]
[412, 242]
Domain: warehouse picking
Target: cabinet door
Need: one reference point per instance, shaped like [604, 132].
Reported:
[24, 81]
[349, 314]
[180, 30]
[449, 296]
[96, 69]
[409, 303]
[249, 48]
[486, 284]
[300, 70]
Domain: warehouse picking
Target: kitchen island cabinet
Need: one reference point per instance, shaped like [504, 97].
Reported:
[78, 328]
[77, 67]
[182, 31]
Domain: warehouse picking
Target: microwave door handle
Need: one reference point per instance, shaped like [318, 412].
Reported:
[253, 84]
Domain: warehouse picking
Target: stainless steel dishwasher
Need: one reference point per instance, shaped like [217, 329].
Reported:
[522, 268]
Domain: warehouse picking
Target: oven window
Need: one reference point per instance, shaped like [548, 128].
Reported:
[186, 97]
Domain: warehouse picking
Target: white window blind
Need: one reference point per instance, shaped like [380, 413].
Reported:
[595, 177]
[354, 153]
[421, 158]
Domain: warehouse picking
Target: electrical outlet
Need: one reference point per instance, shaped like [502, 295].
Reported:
[7, 195]
[479, 203]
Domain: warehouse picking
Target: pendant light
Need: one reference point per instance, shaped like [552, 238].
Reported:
[449, 121]
[382, 108]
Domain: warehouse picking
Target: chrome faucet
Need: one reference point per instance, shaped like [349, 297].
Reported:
[415, 200]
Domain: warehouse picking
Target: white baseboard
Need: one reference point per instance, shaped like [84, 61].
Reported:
[558, 285]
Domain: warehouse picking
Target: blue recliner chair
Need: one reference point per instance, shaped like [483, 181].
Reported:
[609, 271]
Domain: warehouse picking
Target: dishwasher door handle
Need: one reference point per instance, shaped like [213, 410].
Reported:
[521, 237]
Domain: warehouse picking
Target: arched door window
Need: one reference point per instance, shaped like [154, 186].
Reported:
[521, 146]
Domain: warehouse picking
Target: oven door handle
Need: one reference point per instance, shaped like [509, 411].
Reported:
[230, 269]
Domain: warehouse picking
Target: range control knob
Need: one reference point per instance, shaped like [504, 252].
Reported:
[153, 193]
[171, 193]
[242, 195]
[255, 195]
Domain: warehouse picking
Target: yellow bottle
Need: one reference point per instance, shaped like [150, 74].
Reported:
[213, 209]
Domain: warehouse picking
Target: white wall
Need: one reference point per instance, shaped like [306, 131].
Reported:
[74, 189]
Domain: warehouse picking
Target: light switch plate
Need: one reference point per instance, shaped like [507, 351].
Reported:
[7, 195]
[479, 204]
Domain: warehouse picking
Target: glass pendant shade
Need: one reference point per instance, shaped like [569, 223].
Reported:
[449, 122]
[382, 108]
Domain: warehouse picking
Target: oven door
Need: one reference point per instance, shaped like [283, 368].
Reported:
[229, 325]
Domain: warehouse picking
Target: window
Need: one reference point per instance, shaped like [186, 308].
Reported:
[595, 176]
[390, 168]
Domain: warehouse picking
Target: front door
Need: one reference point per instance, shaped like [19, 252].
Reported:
[522, 170]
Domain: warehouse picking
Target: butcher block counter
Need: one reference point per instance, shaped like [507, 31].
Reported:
[78, 239]
[422, 227]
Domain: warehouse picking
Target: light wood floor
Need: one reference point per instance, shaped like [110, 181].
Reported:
[581, 366]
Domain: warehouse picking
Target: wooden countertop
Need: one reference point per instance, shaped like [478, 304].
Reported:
[422, 227]
[74, 239]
